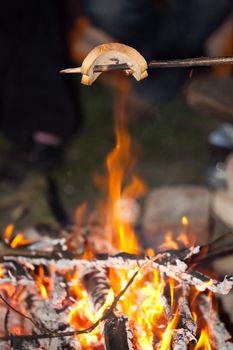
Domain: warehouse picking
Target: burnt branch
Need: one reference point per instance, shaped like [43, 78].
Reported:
[219, 335]
[185, 331]
[173, 264]
[35, 323]
[6, 320]
[117, 333]
[97, 284]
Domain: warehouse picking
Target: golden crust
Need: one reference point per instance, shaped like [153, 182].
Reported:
[110, 53]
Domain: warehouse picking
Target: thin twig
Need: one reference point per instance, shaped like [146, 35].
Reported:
[36, 324]
[6, 319]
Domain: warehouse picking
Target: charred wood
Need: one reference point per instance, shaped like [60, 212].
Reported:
[219, 335]
[185, 331]
[117, 333]
[168, 263]
[97, 284]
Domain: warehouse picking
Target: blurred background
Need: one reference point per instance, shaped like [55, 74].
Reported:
[55, 133]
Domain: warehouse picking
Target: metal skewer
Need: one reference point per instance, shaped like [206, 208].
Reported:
[187, 62]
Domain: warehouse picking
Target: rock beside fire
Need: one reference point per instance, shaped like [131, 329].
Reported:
[222, 221]
[165, 207]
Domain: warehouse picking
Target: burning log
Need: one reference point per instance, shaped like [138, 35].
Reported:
[117, 333]
[46, 316]
[165, 299]
[116, 328]
[97, 285]
[186, 317]
[185, 331]
[219, 335]
[202, 282]
[50, 335]
[181, 327]
[173, 264]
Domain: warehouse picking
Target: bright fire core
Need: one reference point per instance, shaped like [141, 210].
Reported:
[142, 303]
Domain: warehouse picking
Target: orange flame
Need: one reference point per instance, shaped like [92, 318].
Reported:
[168, 243]
[167, 335]
[8, 232]
[203, 342]
[171, 287]
[18, 241]
[43, 282]
[184, 238]
[194, 316]
[184, 221]
[82, 316]
[123, 209]
[2, 271]
[143, 302]
[16, 330]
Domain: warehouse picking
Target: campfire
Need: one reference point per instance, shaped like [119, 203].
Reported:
[94, 287]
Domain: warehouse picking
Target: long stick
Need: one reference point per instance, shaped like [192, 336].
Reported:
[177, 63]
[191, 62]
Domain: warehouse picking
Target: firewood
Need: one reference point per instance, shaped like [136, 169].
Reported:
[117, 333]
[165, 299]
[185, 331]
[97, 284]
[219, 335]
[169, 263]
[59, 334]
